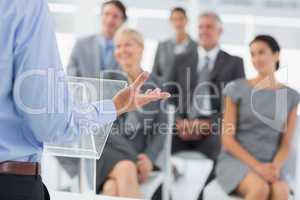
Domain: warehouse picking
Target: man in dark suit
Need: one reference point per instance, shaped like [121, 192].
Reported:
[219, 68]
[199, 78]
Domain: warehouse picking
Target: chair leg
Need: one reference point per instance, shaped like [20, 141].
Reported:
[210, 178]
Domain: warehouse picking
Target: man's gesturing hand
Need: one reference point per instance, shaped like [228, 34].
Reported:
[130, 98]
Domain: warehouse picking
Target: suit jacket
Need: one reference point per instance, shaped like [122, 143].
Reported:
[226, 69]
[165, 57]
[85, 60]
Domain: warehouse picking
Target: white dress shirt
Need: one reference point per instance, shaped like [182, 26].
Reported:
[212, 54]
[181, 47]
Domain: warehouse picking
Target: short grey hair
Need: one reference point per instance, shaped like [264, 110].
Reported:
[213, 15]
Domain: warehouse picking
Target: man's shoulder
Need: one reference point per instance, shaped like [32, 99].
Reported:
[16, 9]
[231, 57]
[165, 43]
[194, 43]
[87, 40]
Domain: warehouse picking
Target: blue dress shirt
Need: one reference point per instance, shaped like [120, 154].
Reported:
[30, 73]
[107, 59]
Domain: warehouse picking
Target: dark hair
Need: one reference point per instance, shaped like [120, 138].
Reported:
[178, 9]
[118, 4]
[271, 42]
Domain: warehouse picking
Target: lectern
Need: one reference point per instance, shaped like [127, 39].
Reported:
[72, 167]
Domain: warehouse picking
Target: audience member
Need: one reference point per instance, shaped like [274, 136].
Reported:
[180, 43]
[136, 139]
[259, 120]
[93, 56]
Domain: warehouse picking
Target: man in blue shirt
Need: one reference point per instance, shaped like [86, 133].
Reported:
[93, 56]
[29, 116]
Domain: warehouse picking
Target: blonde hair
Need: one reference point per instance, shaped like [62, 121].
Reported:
[132, 33]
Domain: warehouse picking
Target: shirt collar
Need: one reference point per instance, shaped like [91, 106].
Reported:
[184, 42]
[104, 41]
[212, 54]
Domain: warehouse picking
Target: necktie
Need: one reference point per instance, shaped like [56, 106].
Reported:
[107, 56]
[201, 102]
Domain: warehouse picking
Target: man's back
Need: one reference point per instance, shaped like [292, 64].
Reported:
[32, 77]
[11, 123]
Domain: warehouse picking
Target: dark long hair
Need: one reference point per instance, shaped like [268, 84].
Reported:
[271, 42]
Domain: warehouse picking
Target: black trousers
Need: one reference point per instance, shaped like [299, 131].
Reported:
[17, 187]
[209, 146]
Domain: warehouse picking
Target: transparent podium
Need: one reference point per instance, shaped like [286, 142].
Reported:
[72, 167]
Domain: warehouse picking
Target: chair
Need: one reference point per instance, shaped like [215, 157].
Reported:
[194, 169]
[214, 190]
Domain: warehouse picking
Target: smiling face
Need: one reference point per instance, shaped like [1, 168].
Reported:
[210, 31]
[179, 21]
[112, 18]
[263, 58]
[129, 51]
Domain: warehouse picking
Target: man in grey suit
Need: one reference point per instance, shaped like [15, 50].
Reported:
[167, 50]
[208, 69]
[94, 55]
[200, 77]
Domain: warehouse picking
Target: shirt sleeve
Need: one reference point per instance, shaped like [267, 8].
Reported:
[296, 99]
[40, 90]
[231, 90]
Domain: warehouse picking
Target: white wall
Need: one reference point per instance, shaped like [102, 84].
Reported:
[77, 18]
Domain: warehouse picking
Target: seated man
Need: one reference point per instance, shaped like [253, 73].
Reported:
[200, 77]
[93, 56]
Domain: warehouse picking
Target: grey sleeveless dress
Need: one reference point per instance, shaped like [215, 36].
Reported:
[260, 123]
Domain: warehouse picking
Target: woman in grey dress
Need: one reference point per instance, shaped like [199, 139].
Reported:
[259, 121]
[137, 137]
